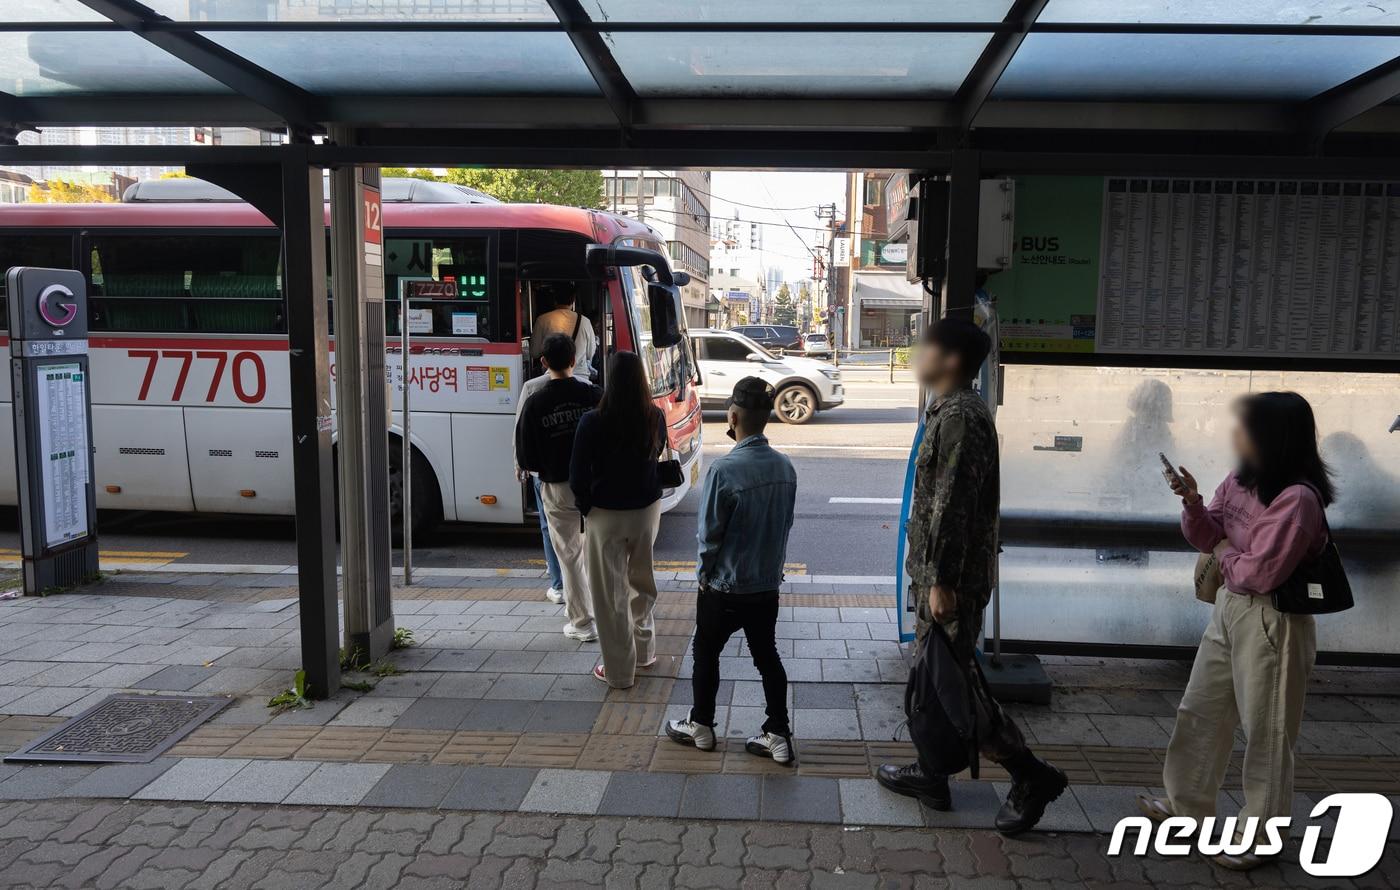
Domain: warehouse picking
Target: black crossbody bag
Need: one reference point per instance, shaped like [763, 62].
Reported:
[1319, 586]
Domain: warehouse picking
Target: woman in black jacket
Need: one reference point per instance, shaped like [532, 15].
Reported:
[614, 478]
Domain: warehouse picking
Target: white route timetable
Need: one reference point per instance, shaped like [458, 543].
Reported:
[1250, 267]
[62, 409]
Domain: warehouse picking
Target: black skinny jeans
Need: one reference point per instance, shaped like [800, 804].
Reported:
[718, 616]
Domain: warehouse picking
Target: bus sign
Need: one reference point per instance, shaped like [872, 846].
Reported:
[53, 426]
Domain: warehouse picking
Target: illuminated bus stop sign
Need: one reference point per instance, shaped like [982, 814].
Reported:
[53, 426]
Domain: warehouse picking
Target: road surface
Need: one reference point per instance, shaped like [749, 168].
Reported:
[850, 465]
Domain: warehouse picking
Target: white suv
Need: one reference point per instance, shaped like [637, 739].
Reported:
[804, 386]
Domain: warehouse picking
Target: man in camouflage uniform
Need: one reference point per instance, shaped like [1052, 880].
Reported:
[952, 562]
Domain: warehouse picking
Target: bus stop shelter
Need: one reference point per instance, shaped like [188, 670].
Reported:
[958, 91]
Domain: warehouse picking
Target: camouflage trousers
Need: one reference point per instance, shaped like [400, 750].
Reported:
[998, 739]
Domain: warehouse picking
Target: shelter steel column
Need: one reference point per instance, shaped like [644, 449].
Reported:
[960, 282]
[361, 409]
[304, 283]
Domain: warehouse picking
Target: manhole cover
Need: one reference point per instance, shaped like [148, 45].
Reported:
[122, 729]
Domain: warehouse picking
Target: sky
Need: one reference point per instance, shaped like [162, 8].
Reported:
[797, 193]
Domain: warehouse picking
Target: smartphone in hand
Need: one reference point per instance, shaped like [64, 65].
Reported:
[1170, 471]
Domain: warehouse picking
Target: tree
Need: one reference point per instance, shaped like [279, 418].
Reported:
[61, 191]
[572, 188]
[784, 307]
[405, 173]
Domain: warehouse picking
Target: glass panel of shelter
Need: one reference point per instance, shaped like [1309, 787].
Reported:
[417, 63]
[1165, 67]
[783, 11]
[829, 65]
[52, 63]
[350, 10]
[1262, 12]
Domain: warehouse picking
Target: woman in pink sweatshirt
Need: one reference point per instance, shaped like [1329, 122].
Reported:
[1252, 667]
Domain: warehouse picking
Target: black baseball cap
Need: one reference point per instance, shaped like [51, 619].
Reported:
[754, 393]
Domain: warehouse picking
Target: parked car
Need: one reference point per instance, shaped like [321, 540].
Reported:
[804, 386]
[777, 337]
[816, 343]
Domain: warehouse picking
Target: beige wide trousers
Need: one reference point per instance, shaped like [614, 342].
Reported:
[1251, 670]
[623, 587]
[566, 533]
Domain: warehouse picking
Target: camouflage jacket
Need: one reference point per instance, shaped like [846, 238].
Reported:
[953, 515]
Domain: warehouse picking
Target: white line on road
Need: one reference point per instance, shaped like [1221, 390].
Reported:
[865, 501]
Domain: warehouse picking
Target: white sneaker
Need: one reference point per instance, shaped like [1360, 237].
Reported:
[771, 745]
[687, 732]
[582, 634]
[554, 595]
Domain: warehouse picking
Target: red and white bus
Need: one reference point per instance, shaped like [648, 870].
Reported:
[191, 408]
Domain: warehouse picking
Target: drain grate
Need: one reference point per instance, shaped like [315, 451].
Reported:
[122, 729]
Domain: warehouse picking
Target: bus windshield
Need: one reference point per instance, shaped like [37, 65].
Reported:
[665, 367]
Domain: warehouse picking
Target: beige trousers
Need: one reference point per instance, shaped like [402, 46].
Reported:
[566, 533]
[1251, 670]
[624, 588]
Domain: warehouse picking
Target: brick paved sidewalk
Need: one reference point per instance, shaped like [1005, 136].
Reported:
[494, 712]
[143, 845]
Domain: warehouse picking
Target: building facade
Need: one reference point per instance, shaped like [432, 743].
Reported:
[871, 303]
[677, 204]
[132, 136]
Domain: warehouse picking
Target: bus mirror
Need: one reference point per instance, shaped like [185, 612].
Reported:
[599, 256]
[680, 279]
[665, 315]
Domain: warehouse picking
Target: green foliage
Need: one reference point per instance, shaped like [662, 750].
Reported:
[403, 638]
[571, 188]
[357, 685]
[354, 660]
[61, 191]
[901, 356]
[294, 697]
[383, 668]
[405, 173]
[784, 307]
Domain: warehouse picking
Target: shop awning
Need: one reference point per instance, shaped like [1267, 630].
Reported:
[886, 290]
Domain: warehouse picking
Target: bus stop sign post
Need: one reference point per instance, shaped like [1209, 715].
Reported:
[53, 426]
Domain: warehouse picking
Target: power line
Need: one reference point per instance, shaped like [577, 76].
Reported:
[715, 197]
[758, 222]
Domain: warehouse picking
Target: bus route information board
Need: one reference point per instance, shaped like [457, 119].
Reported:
[62, 416]
[1250, 267]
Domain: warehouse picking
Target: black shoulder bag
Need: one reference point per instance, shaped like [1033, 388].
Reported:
[1319, 585]
[668, 469]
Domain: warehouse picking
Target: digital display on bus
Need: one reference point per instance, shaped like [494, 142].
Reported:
[448, 282]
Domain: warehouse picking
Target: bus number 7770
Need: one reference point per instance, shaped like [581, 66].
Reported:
[248, 376]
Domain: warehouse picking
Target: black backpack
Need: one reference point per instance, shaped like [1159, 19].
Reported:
[939, 708]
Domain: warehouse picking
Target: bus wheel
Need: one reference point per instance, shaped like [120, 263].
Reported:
[796, 404]
[426, 506]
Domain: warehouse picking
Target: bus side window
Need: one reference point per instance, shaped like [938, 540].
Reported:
[451, 288]
[206, 283]
[52, 251]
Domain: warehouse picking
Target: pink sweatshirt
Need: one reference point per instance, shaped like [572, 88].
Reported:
[1265, 543]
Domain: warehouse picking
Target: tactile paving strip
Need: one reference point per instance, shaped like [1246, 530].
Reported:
[122, 729]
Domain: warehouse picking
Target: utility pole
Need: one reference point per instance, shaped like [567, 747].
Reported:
[641, 201]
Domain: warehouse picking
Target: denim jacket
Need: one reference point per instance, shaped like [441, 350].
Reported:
[746, 509]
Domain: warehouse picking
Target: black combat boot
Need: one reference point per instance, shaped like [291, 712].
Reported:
[911, 781]
[1030, 794]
